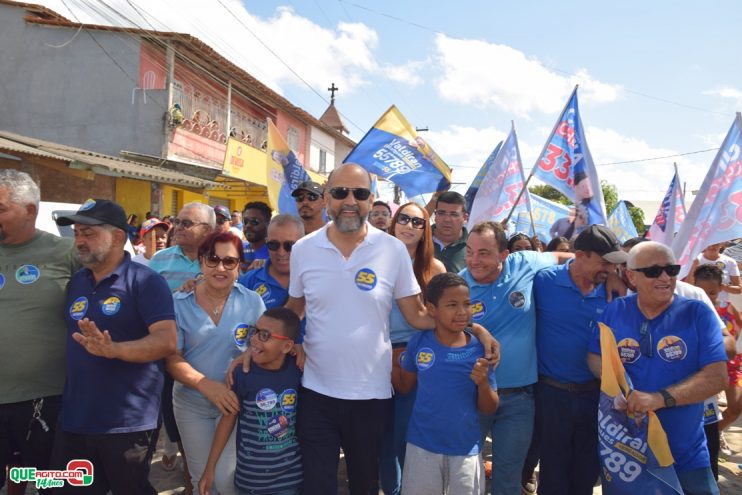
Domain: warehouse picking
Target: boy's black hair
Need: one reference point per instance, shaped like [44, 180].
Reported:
[288, 319]
[708, 272]
[441, 282]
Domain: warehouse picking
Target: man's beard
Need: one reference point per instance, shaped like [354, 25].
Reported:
[348, 224]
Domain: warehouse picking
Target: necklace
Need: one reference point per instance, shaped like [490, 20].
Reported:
[218, 305]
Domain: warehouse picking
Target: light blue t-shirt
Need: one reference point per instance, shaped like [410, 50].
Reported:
[445, 418]
[400, 331]
[566, 320]
[677, 344]
[505, 308]
[210, 348]
[174, 266]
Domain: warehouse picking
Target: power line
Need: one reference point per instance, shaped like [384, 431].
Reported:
[658, 157]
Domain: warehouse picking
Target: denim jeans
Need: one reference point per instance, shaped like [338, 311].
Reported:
[197, 424]
[394, 443]
[698, 482]
[511, 428]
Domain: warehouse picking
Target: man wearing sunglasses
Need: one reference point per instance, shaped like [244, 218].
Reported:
[309, 204]
[672, 351]
[344, 278]
[255, 218]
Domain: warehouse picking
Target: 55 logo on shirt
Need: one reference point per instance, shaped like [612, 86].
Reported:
[366, 279]
[425, 358]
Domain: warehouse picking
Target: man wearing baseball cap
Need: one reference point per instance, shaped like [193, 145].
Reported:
[224, 221]
[120, 325]
[307, 196]
[153, 233]
[569, 301]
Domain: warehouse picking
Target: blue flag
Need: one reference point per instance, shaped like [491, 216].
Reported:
[284, 172]
[393, 150]
[566, 165]
[621, 224]
[471, 193]
[545, 214]
[670, 215]
[501, 186]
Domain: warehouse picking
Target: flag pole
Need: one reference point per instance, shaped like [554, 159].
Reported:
[546, 144]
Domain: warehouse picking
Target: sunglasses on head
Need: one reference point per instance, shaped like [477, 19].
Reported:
[417, 222]
[275, 245]
[229, 262]
[655, 271]
[252, 221]
[309, 196]
[360, 193]
[264, 335]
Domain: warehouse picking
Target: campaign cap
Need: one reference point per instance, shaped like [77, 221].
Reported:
[97, 212]
[150, 224]
[307, 185]
[599, 239]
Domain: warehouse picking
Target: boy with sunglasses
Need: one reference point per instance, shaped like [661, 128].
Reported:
[268, 457]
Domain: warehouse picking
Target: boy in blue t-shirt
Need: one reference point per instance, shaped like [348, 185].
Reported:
[454, 384]
[268, 458]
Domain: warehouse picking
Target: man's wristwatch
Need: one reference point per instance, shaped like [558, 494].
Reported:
[669, 399]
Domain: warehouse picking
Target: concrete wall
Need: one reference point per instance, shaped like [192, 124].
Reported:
[76, 95]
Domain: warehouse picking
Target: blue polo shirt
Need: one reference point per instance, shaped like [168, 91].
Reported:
[274, 295]
[566, 319]
[104, 395]
[505, 308]
[251, 254]
[445, 418]
[684, 339]
[174, 266]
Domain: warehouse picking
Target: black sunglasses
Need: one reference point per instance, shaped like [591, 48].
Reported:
[310, 196]
[229, 262]
[417, 222]
[655, 271]
[360, 193]
[275, 245]
[252, 221]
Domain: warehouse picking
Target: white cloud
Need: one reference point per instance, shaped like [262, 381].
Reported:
[727, 92]
[407, 73]
[477, 72]
[342, 54]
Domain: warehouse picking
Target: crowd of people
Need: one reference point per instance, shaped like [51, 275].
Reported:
[262, 344]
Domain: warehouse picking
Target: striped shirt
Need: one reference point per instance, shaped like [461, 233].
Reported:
[268, 457]
[174, 266]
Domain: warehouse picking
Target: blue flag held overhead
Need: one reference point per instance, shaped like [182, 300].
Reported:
[471, 193]
[671, 214]
[545, 215]
[501, 186]
[621, 223]
[566, 165]
[393, 150]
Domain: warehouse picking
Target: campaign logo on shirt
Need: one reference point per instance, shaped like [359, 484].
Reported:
[263, 291]
[2, 280]
[721, 265]
[288, 400]
[266, 399]
[78, 308]
[365, 279]
[110, 306]
[628, 350]
[27, 274]
[425, 358]
[478, 309]
[278, 426]
[517, 299]
[672, 348]
[87, 205]
[240, 335]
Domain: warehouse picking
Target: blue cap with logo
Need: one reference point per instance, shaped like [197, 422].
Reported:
[97, 212]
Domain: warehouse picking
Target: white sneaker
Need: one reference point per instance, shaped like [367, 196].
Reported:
[724, 446]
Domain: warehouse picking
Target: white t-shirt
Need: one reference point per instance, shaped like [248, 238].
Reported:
[348, 302]
[139, 258]
[728, 267]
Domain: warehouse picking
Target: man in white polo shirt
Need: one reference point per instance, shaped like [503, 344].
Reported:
[345, 276]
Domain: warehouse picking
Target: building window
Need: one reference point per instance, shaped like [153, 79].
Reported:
[293, 138]
[322, 162]
[173, 203]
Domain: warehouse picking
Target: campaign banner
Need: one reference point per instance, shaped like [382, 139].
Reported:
[545, 215]
[393, 150]
[471, 193]
[716, 213]
[284, 172]
[635, 455]
[501, 186]
[621, 223]
[566, 165]
[670, 215]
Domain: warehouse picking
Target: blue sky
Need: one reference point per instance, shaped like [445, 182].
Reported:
[474, 66]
